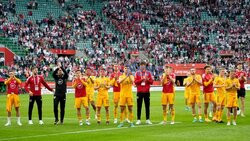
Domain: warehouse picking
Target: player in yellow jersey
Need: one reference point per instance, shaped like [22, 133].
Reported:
[194, 81]
[114, 78]
[232, 85]
[102, 86]
[126, 97]
[90, 89]
[186, 92]
[220, 84]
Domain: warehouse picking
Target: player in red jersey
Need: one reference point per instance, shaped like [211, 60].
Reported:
[114, 78]
[168, 93]
[12, 84]
[242, 76]
[208, 90]
[81, 98]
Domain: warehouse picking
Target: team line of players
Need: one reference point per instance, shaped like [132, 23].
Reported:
[122, 83]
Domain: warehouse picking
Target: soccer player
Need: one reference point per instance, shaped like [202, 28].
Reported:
[232, 85]
[194, 81]
[241, 75]
[186, 92]
[79, 83]
[33, 87]
[143, 80]
[168, 96]
[90, 89]
[116, 90]
[102, 85]
[60, 76]
[126, 97]
[208, 90]
[220, 84]
[12, 84]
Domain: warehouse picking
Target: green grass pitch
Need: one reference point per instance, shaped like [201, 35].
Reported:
[184, 129]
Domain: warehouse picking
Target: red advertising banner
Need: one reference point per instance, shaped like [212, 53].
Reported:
[226, 53]
[64, 51]
[182, 69]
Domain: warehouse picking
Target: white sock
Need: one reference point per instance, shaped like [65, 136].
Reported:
[18, 119]
[8, 119]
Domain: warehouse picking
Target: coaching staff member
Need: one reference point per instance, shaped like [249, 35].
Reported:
[33, 87]
[143, 80]
[60, 76]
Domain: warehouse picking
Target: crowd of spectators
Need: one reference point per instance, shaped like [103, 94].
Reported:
[165, 31]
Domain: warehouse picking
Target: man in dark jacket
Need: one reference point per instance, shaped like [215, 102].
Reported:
[61, 76]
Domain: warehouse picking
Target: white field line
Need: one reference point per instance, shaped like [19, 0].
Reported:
[77, 132]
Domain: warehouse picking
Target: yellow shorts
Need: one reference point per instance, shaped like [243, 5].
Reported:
[81, 101]
[126, 100]
[194, 98]
[116, 97]
[209, 97]
[167, 98]
[12, 99]
[232, 101]
[102, 100]
[91, 96]
[221, 100]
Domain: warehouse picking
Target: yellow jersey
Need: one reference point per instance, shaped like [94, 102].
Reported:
[101, 82]
[194, 86]
[221, 91]
[90, 89]
[229, 83]
[126, 86]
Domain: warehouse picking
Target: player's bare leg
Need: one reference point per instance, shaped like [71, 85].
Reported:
[171, 107]
[242, 99]
[79, 116]
[229, 116]
[18, 116]
[92, 103]
[214, 111]
[115, 111]
[8, 119]
[199, 112]
[87, 115]
[187, 108]
[126, 114]
[206, 113]
[131, 116]
[164, 110]
[219, 113]
[107, 114]
[193, 112]
[235, 115]
[122, 116]
[98, 115]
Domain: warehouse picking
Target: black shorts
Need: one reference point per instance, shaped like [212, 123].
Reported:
[241, 92]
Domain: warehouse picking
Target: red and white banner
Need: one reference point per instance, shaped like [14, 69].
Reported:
[64, 51]
[182, 69]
